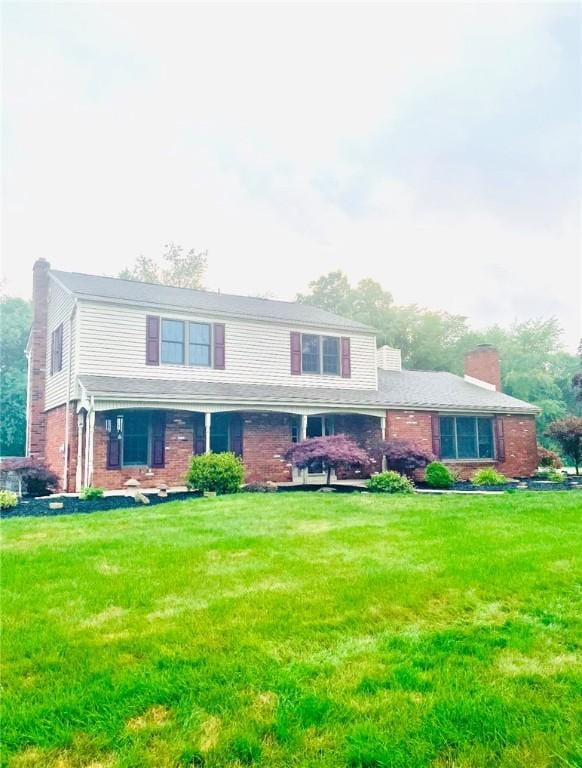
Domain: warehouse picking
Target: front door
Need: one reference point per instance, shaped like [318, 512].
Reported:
[318, 426]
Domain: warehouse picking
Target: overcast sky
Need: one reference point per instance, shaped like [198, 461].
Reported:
[435, 148]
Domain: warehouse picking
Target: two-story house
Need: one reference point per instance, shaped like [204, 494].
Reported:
[129, 379]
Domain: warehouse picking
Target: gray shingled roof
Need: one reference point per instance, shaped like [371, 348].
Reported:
[151, 294]
[398, 389]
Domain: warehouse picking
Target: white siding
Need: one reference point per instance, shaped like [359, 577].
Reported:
[112, 343]
[59, 311]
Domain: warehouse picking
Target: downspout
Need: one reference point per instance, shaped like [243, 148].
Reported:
[92, 433]
[67, 404]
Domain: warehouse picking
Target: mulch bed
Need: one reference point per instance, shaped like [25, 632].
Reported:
[72, 505]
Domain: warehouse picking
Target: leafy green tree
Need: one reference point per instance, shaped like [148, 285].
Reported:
[15, 320]
[181, 269]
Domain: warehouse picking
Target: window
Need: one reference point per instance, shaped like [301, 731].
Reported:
[330, 355]
[310, 354]
[320, 354]
[136, 432]
[466, 437]
[57, 349]
[295, 428]
[172, 341]
[198, 344]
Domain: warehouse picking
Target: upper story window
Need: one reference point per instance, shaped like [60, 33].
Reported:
[172, 341]
[185, 342]
[57, 350]
[320, 354]
[466, 437]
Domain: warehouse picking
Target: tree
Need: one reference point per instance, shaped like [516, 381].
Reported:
[180, 269]
[15, 320]
[568, 434]
[405, 456]
[333, 451]
[577, 377]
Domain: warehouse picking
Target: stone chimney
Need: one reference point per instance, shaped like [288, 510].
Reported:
[37, 356]
[482, 367]
[389, 359]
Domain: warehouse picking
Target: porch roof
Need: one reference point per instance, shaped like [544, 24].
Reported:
[420, 390]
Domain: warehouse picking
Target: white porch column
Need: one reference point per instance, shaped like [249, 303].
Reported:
[303, 436]
[383, 431]
[91, 434]
[79, 473]
[207, 422]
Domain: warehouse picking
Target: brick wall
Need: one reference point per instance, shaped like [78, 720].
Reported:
[520, 442]
[37, 420]
[265, 437]
[179, 438]
[54, 452]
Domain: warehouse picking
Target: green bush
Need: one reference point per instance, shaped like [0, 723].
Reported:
[91, 492]
[390, 482]
[8, 499]
[489, 476]
[219, 472]
[439, 476]
[549, 474]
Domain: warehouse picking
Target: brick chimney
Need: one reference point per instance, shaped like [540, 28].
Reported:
[37, 360]
[482, 364]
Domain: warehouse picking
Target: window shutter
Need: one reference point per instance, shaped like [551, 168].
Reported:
[346, 358]
[436, 434]
[113, 451]
[499, 439]
[158, 439]
[236, 435]
[295, 353]
[152, 340]
[199, 445]
[218, 335]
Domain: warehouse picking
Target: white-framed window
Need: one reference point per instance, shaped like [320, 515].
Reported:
[467, 437]
[186, 343]
[320, 354]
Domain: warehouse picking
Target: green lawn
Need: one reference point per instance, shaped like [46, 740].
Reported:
[295, 630]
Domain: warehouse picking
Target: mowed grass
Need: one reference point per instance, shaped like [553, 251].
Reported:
[295, 630]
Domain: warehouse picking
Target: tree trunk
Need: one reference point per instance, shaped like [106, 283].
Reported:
[329, 475]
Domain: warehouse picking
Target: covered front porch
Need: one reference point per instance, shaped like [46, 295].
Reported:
[154, 444]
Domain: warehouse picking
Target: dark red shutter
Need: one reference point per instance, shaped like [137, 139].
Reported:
[113, 451]
[499, 439]
[199, 443]
[236, 435]
[346, 358]
[152, 340]
[158, 439]
[436, 434]
[295, 353]
[218, 335]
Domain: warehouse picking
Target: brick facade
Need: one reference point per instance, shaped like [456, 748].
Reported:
[265, 437]
[54, 454]
[521, 458]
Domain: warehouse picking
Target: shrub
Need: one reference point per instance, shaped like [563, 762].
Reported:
[489, 476]
[91, 492]
[390, 482]
[34, 478]
[405, 456]
[568, 433]
[218, 472]
[333, 451]
[8, 499]
[439, 476]
[260, 486]
[549, 474]
[547, 458]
